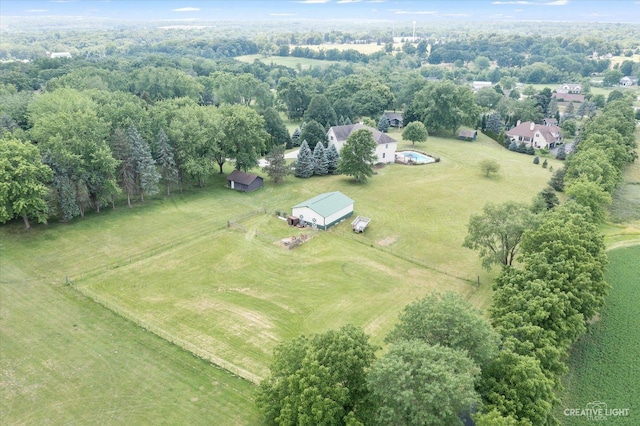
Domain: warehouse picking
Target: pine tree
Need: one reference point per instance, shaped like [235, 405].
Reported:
[147, 175]
[383, 124]
[277, 167]
[304, 162]
[295, 138]
[513, 146]
[166, 161]
[347, 121]
[333, 158]
[562, 153]
[320, 161]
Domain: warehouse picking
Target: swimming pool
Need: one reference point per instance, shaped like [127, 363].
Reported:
[413, 157]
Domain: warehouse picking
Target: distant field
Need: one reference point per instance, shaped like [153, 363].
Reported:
[174, 267]
[287, 61]
[605, 364]
[362, 48]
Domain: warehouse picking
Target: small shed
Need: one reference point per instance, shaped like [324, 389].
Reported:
[395, 119]
[245, 182]
[468, 135]
[324, 210]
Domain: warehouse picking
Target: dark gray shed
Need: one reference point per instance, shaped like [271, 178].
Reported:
[245, 182]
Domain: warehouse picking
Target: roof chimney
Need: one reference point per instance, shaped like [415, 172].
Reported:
[532, 125]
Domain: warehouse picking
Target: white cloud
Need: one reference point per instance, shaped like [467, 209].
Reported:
[282, 14]
[557, 3]
[529, 3]
[36, 10]
[313, 1]
[187, 9]
[512, 2]
[416, 12]
[348, 1]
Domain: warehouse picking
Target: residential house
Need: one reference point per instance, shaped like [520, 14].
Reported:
[629, 81]
[386, 145]
[324, 210]
[395, 119]
[569, 88]
[536, 135]
[477, 85]
[549, 121]
[54, 55]
[245, 182]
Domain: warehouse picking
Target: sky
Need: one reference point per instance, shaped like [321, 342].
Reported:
[623, 11]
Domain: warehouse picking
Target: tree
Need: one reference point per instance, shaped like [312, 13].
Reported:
[358, 155]
[415, 132]
[320, 161]
[275, 128]
[319, 380]
[569, 127]
[515, 386]
[304, 163]
[244, 135]
[295, 138]
[549, 198]
[487, 97]
[321, 111]
[147, 175]
[536, 160]
[313, 132]
[611, 78]
[590, 194]
[561, 154]
[497, 232]
[23, 182]
[295, 94]
[557, 179]
[447, 320]
[166, 161]
[489, 166]
[419, 384]
[122, 150]
[593, 163]
[495, 124]
[383, 124]
[277, 167]
[333, 158]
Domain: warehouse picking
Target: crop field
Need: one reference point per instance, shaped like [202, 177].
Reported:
[605, 363]
[288, 61]
[362, 48]
[174, 263]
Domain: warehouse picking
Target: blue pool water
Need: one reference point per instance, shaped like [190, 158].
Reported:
[416, 157]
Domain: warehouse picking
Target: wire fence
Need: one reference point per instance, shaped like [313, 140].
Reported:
[167, 336]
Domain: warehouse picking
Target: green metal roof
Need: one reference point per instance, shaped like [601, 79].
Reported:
[327, 204]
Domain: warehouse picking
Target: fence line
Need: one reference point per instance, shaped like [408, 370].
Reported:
[167, 336]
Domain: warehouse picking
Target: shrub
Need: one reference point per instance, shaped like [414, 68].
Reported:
[545, 164]
[536, 160]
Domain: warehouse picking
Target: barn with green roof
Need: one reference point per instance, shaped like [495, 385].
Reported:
[324, 210]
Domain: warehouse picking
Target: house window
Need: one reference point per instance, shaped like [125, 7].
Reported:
[384, 154]
[331, 137]
[386, 146]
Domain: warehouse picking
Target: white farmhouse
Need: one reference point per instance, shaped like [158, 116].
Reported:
[386, 145]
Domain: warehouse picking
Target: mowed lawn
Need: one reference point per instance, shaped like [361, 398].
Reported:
[65, 360]
[605, 363]
[173, 266]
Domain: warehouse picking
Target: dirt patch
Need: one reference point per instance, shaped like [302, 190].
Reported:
[388, 240]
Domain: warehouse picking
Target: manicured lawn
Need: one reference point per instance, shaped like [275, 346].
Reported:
[66, 360]
[173, 266]
[605, 363]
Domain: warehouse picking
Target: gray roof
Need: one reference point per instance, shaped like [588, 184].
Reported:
[343, 132]
[326, 204]
[393, 116]
[242, 177]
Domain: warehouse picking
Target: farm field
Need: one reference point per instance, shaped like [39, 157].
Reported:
[605, 364]
[288, 61]
[362, 48]
[174, 267]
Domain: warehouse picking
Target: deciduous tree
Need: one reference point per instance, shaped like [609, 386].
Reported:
[358, 155]
[415, 132]
[489, 166]
[277, 168]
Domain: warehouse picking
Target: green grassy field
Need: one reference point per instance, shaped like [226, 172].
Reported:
[174, 267]
[64, 360]
[287, 61]
[605, 363]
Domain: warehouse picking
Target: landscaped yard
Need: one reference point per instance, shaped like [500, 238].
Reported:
[174, 267]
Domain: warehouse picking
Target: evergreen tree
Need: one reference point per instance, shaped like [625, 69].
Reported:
[313, 132]
[545, 163]
[536, 160]
[530, 150]
[304, 162]
[166, 161]
[320, 161]
[513, 146]
[277, 167]
[557, 180]
[522, 148]
[274, 126]
[147, 175]
[562, 153]
[333, 158]
[295, 138]
[347, 121]
[383, 124]
[494, 123]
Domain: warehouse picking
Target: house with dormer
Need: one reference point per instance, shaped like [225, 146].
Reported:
[537, 135]
[386, 146]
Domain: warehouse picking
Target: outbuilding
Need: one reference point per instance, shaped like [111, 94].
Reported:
[324, 210]
[245, 182]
